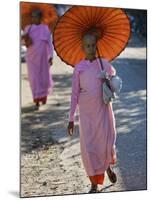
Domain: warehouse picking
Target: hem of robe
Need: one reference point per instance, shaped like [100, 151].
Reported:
[43, 96]
[99, 178]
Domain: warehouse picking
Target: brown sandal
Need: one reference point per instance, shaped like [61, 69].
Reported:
[93, 189]
[112, 176]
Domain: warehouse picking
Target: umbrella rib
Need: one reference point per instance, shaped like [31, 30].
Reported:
[108, 32]
[71, 52]
[115, 29]
[77, 8]
[107, 35]
[58, 38]
[72, 35]
[105, 14]
[63, 47]
[91, 15]
[70, 23]
[113, 23]
[97, 17]
[96, 12]
[76, 22]
[67, 23]
[102, 15]
[117, 33]
[120, 51]
[76, 45]
[105, 39]
[75, 55]
[102, 44]
[81, 17]
[67, 29]
[94, 16]
[69, 42]
[80, 14]
[112, 17]
[87, 14]
[64, 32]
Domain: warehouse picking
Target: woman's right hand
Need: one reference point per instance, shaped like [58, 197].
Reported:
[28, 40]
[70, 128]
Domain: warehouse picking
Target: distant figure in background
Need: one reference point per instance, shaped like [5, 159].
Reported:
[38, 40]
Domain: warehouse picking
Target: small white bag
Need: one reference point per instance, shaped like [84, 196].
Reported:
[108, 95]
[111, 86]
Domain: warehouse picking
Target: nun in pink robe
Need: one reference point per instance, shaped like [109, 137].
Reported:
[96, 119]
[37, 58]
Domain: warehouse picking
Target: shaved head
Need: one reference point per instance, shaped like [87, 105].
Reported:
[89, 44]
[36, 13]
[87, 37]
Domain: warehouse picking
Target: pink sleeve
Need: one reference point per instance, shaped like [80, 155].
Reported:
[75, 94]
[109, 68]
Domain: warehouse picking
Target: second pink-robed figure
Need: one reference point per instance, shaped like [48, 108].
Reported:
[37, 58]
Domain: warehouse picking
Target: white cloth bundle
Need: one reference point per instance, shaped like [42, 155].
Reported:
[114, 81]
[116, 84]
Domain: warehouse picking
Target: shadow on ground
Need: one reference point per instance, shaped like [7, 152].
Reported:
[38, 127]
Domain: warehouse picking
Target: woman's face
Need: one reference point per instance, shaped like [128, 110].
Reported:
[36, 17]
[89, 46]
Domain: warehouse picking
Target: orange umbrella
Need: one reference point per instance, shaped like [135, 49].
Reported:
[111, 25]
[49, 14]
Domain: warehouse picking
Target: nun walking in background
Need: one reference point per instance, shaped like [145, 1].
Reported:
[38, 40]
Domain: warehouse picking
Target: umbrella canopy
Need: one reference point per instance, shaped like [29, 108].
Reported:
[49, 14]
[111, 25]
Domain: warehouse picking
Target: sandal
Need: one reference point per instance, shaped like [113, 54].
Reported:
[93, 189]
[112, 176]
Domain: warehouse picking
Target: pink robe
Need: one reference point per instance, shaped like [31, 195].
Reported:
[37, 58]
[97, 123]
